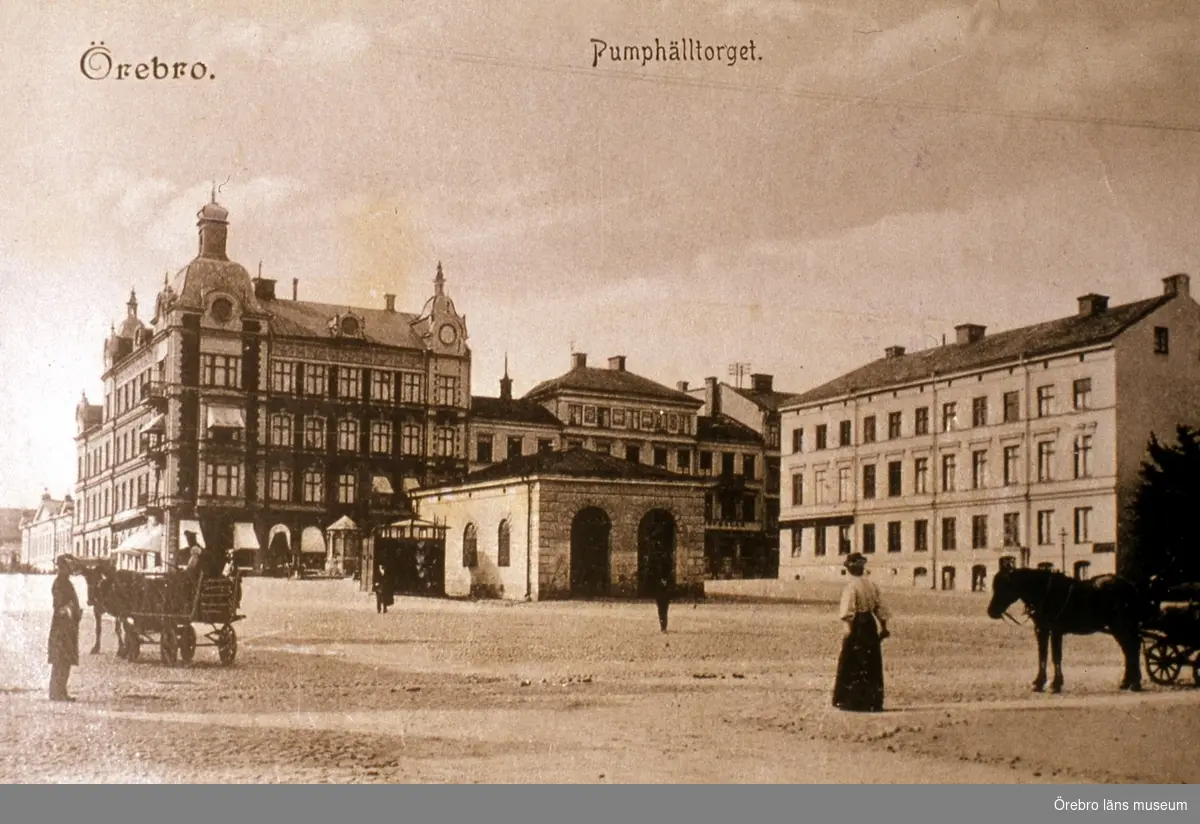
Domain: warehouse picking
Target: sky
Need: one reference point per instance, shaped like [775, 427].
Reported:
[884, 171]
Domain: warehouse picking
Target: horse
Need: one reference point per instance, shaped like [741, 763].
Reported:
[1060, 605]
[111, 591]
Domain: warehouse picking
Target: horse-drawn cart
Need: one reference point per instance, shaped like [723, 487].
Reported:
[1171, 641]
[168, 610]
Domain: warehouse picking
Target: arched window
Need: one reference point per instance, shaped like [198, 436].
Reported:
[502, 552]
[470, 547]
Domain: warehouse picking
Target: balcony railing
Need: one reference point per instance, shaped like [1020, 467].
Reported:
[738, 524]
[154, 391]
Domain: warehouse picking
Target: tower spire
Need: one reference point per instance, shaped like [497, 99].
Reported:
[439, 281]
[213, 197]
[506, 382]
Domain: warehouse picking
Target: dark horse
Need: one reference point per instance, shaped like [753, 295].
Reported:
[122, 592]
[1060, 605]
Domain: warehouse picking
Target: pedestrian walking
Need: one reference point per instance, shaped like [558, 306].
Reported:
[63, 646]
[859, 683]
[662, 599]
[384, 590]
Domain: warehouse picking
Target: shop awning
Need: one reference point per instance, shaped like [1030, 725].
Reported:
[156, 424]
[191, 526]
[226, 417]
[343, 524]
[382, 485]
[244, 537]
[149, 539]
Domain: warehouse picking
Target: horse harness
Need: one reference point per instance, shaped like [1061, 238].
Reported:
[1033, 612]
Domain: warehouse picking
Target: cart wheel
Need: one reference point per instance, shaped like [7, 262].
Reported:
[187, 643]
[227, 644]
[1196, 672]
[133, 646]
[168, 645]
[1163, 662]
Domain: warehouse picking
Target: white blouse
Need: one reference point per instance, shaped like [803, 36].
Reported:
[861, 595]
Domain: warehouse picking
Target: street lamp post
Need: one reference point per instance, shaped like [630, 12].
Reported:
[1062, 542]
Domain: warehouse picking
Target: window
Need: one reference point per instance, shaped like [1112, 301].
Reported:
[797, 490]
[1083, 517]
[349, 382]
[545, 445]
[1083, 456]
[503, 558]
[660, 459]
[819, 484]
[410, 439]
[822, 436]
[845, 433]
[470, 548]
[979, 536]
[798, 440]
[603, 417]
[314, 486]
[1012, 406]
[683, 460]
[844, 539]
[589, 415]
[797, 537]
[1012, 528]
[979, 412]
[894, 471]
[381, 437]
[949, 416]
[283, 376]
[347, 435]
[920, 476]
[819, 541]
[895, 422]
[949, 470]
[634, 453]
[868, 538]
[412, 387]
[604, 447]
[220, 480]
[1162, 340]
[446, 391]
[727, 463]
[221, 370]
[672, 422]
[483, 449]
[749, 509]
[281, 484]
[1045, 461]
[749, 467]
[868, 429]
[1045, 401]
[1081, 393]
[868, 487]
[920, 535]
[706, 462]
[979, 469]
[316, 379]
[893, 536]
[949, 534]
[443, 444]
[921, 421]
[844, 482]
[574, 414]
[383, 386]
[281, 430]
[347, 488]
[1045, 526]
[1012, 456]
[515, 446]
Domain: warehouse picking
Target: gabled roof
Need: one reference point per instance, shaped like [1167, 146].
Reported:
[512, 410]
[306, 319]
[1029, 342]
[765, 400]
[572, 463]
[725, 428]
[610, 382]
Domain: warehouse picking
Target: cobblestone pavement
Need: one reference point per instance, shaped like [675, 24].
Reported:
[326, 690]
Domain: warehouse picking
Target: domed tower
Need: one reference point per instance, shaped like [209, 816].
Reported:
[213, 222]
[443, 329]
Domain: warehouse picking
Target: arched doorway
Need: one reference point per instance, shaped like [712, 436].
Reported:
[656, 550]
[919, 575]
[979, 578]
[948, 577]
[1082, 570]
[591, 533]
[278, 555]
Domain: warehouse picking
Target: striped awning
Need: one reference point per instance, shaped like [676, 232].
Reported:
[244, 536]
[226, 417]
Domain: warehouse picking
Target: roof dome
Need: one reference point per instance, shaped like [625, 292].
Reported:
[213, 211]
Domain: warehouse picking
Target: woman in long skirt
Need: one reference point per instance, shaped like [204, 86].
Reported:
[859, 683]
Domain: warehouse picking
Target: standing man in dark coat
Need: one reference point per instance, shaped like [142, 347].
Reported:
[384, 590]
[662, 599]
[63, 647]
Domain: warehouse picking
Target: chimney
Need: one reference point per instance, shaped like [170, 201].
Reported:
[761, 382]
[1177, 285]
[968, 333]
[389, 302]
[893, 352]
[681, 386]
[264, 288]
[1092, 304]
[712, 396]
[295, 288]
[617, 363]
[578, 360]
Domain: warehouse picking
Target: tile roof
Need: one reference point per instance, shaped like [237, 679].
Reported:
[514, 410]
[306, 319]
[1029, 341]
[767, 400]
[611, 382]
[573, 463]
[725, 428]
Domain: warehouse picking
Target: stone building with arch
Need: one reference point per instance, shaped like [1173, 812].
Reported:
[574, 523]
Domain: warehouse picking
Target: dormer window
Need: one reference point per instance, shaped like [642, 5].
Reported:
[222, 310]
[350, 326]
[346, 326]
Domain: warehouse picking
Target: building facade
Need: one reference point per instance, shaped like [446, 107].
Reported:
[258, 421]
[1023, 445]
[12, 536]
[507, 427]
[46, 534]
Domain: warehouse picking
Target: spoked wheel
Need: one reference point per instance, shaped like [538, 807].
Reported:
[227, 644]
[187, 643]
[168, 645]
[1164, 660]
[1196, 672]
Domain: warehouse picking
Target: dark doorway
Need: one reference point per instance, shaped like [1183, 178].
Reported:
[948, 577]
[278, 556]
[591, 532]
[656, 550]
[979, 578]
[416, 566]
